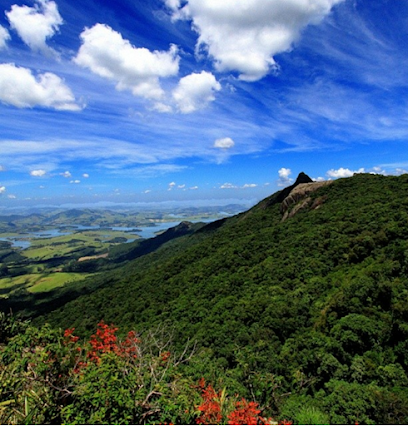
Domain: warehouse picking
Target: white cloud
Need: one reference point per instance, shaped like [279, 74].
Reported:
[193, 188]
[147, 191]
[1, 168]
[11, 196]
[38, 173]
[2, 189]
[244, 35]
[228, 186]
[161, 107]
[107, 54]
[181, 186]
[85, 175]
[4, 36]
[75, 181]
[20, 88]
[343, 173]
[35, 24]
[66, 174]
[195, 91]
[250, 185]
[224, 143]
[284, 179]
[172, 4]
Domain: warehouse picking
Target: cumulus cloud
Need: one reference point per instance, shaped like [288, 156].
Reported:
[20, 88]
[195, 91]
[4, 36]
[343, 173]
[85, 175]
[2, 189]
[75, 181]
[224, 143]
[228, 186]
[284, 179]
[11, 196]
[38, 173]
[244, 35]
[36, 24]
[66, 174]
[250, 185]
[107, 54]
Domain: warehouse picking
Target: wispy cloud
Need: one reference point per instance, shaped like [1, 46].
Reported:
[4, 37]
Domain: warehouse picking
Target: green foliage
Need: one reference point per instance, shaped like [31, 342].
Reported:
[308, 316]
[311, 416]
[48, 377]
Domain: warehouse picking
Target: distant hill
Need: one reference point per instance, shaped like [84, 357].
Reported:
[303, 299]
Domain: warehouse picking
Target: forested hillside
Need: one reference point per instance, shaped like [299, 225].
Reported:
[301, 303]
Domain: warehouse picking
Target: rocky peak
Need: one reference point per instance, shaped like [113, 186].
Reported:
[302, 178]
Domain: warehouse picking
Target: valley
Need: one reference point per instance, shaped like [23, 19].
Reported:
[39, 252]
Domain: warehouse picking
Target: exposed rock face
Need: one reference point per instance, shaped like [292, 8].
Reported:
[302, 178]
[298, 198]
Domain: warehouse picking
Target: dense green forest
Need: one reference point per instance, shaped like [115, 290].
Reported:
[299, 304]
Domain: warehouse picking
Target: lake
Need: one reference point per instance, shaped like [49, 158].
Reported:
[142, 231]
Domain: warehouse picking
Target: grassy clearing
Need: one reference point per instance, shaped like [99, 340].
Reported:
[36, 283]
[53, 280]
[65, 245]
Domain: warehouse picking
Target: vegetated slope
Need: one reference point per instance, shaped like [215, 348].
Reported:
[29, 305]
[315, 306]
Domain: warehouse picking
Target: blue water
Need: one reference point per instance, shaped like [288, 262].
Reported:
[17, 243]
[142, 231]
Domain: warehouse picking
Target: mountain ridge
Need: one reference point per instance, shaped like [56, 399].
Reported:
[310, 311]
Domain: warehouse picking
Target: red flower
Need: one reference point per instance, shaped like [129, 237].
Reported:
[103, 341]
[68, 333]
[210, 407]
[245, 413]
[165, 357]
[130, 346]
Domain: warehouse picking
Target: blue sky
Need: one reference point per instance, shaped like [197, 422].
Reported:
[186, 100]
